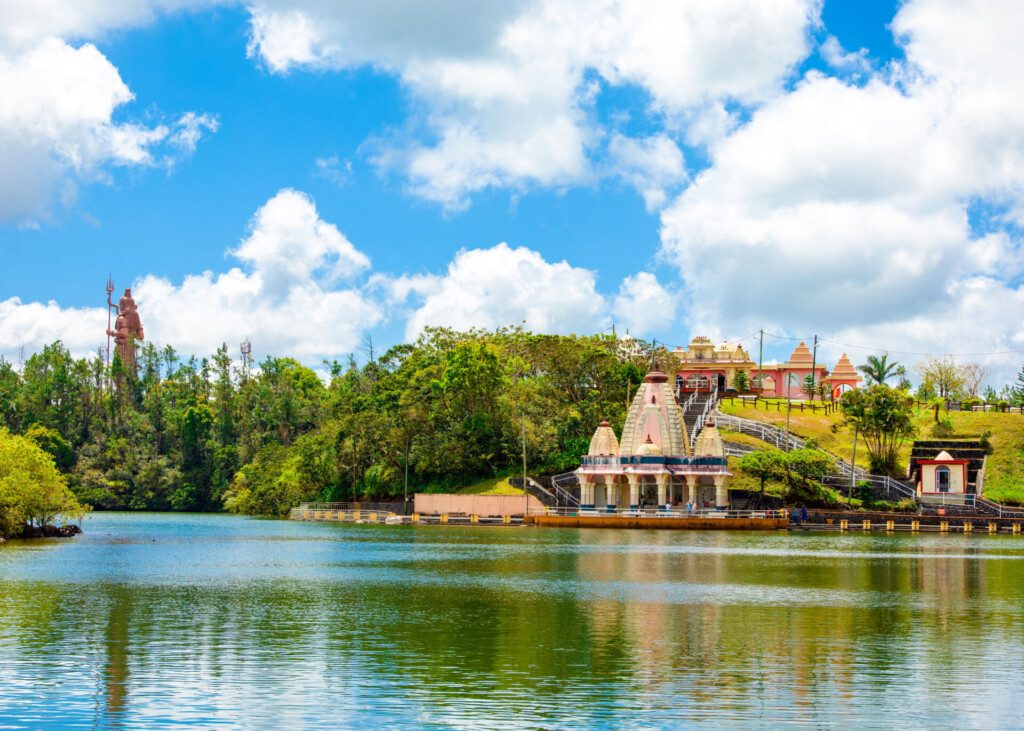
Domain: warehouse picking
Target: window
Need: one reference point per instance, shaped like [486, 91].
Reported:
[697, 381]
[942, 479]
[793, 381]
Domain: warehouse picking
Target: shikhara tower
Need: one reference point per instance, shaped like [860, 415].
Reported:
[654, 453]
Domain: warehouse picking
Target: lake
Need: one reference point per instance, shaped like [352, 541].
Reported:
[216, 621]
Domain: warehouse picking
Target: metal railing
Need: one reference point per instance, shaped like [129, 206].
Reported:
[689, 402]
[710, 406]
[655, 512]
[883, 484]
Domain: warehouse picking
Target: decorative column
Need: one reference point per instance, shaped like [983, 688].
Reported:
[691, 489]
[612, 495]
[586, 493]
[721, 494]
[662, 480]
[634, 491]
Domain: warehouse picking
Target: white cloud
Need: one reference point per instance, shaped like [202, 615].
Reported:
[842, 60]
[334, 169]
[27, 22]
[844, 208]
[58, 101]
[507, 89]
[502, 286]
[644, 306]
[653, 165]
[286, 297]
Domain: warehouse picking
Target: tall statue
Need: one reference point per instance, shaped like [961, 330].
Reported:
[127, 329]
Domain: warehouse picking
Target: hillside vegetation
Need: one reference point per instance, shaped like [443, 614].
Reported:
[1004, 470]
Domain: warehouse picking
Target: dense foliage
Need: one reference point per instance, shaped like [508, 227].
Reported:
[209, 434]
[883, 417]
[33, 493]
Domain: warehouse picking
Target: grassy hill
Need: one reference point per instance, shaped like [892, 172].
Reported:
[1004, 470]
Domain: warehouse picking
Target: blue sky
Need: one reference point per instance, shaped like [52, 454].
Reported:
[680, 191]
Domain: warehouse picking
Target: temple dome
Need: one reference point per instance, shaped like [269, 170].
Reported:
[603, 443]
[648, 448]
[655, 415]
[709, 443]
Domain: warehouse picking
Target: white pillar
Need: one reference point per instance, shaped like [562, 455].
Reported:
[634, 491]
[691, 489]
[613, 495]
[662, 481]
[721, 493]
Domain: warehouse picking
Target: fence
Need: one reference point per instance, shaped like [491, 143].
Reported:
[886, 487]
[755, 402]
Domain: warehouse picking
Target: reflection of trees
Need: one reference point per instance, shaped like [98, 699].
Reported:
[581, 625]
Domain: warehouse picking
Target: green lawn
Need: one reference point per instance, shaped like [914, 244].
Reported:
[490, 486]
[1004, 471]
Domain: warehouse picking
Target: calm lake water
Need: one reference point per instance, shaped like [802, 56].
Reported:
[218, 621]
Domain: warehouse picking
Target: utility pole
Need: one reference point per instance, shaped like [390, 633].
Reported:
[526, 493]
[405, 504]
[814, 367]
[789, 410]
[853, 463]
[760, 362]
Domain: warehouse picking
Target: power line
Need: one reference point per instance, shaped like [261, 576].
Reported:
[933, 355]
[883, 350]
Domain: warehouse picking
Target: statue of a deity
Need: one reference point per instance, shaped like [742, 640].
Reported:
[127, 329]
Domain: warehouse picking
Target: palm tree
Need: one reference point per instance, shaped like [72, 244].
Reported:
[880, 369]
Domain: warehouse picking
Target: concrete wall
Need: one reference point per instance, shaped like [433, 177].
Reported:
[431, 504]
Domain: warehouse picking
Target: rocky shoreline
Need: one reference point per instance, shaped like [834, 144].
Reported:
[49, 531]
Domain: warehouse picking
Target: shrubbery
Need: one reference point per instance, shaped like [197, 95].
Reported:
[33, 493]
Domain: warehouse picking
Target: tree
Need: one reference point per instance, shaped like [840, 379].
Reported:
[32, 491]
[740, 380]
[974, 375]
[809, 464]
[878, 370]
[1017, 392]
[883, 416]
[941, 375]
[809, 386]
[764, 464]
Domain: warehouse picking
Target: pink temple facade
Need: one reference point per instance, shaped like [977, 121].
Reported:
[704, 366]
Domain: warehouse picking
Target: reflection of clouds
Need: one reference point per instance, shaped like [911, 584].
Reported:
[220, 621]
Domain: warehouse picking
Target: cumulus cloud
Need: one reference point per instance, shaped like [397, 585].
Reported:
[653, 165]
[291, 295]
[644, 306]
[847, 208]
[507, 89]
[503, 286]
[57, 106]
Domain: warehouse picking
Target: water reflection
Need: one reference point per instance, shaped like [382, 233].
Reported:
[220, 621]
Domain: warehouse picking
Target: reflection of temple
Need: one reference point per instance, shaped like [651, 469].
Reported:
[654, 451]
[704, 366]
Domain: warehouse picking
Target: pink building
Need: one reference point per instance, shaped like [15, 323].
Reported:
[705, 366]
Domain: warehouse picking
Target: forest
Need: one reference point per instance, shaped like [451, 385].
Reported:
[220, 433]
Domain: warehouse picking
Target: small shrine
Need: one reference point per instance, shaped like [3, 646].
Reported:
[943, 475]
[653, 457]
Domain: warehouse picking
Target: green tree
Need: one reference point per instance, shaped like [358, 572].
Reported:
[883, 417]
[740, 380]
[32, 491]
[54, 444]
[879, 369]
[764, 464]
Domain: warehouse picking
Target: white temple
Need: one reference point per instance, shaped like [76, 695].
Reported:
[655, 451]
